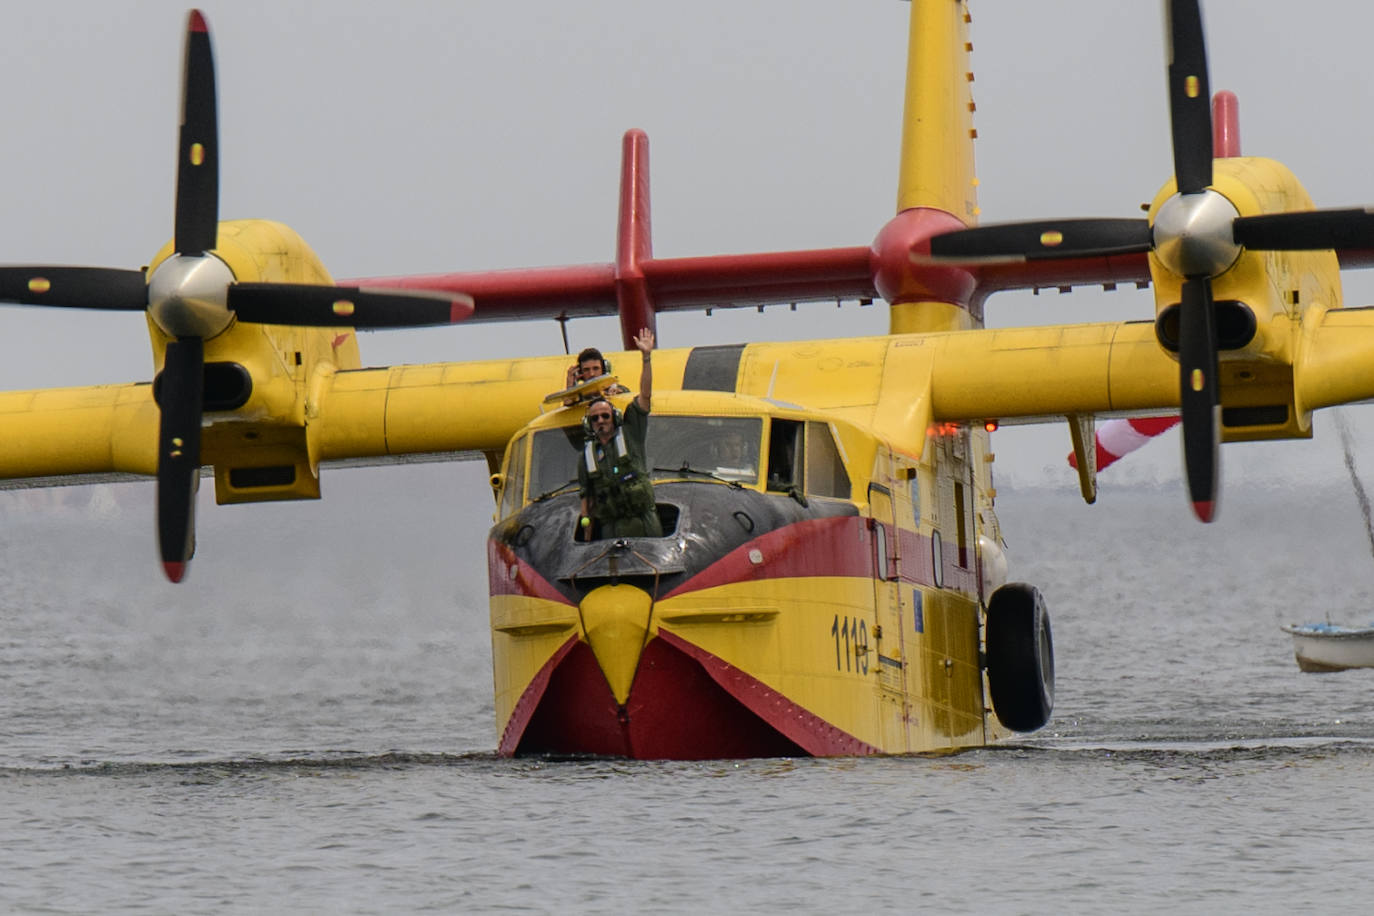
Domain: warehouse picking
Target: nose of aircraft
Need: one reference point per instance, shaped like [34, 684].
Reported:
[615, 622]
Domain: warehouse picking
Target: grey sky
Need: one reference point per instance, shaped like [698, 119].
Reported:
[420, 137]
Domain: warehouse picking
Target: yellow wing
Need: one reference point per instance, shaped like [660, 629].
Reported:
[77, 435]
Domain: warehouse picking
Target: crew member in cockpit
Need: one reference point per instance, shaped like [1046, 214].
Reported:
[613, 477]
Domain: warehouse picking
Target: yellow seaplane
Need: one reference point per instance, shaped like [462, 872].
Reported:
[831, 577]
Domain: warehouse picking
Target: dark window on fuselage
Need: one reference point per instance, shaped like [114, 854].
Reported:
[785, 455]
[961, 530]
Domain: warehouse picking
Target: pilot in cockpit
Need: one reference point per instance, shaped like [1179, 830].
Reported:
[732, 457]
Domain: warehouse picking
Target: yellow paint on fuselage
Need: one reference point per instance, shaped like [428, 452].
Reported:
[895, 688]
[525, 633]
[926, 698]
[892, 661]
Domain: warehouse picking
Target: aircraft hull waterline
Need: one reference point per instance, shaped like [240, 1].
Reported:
[675, 711]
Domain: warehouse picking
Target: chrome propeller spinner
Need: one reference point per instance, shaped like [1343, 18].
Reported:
[188, 296]
[1194, 236]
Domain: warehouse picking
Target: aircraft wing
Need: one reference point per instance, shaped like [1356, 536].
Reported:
[446, 409]
[674, 284]
[900, 385]
[1039, 374]
[1335, 360]
[1031, 274]
[77, 435]
[399, 414]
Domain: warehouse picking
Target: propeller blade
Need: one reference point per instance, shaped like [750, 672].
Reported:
[343, 306]
[1199, 396]
[1190, 99]
[1043, 240]
[197, 203]
[1311, 230]
[75, 287]
[178, 461]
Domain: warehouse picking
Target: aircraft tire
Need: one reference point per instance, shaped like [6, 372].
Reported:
[1020, 657]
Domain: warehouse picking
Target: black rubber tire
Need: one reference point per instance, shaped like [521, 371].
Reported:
[1020, 657]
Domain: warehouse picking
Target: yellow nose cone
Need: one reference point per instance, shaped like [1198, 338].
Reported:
[615, 620]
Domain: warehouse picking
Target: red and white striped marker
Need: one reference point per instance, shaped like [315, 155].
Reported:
[1118, 438]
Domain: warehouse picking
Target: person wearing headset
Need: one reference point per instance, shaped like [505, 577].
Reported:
[590, 364]
[613, 477]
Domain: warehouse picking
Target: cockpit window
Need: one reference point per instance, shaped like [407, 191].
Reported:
[514, 489]
[721, 448]
[785, 456]
[555, 457]
[726, 448]
[803, 458]
[825, 473]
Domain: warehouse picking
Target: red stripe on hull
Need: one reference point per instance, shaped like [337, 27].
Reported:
[840, 546]
[837, 546]
[686, 704]
[526, 580]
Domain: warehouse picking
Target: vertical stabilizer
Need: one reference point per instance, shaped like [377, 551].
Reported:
[937, 136]
[634, 240]
[936, 188]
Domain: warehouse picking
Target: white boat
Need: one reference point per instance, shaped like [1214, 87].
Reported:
[1332, 647]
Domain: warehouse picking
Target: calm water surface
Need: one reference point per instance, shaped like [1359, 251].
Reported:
[306, 726]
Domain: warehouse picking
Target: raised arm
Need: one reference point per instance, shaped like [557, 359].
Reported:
[644, 342]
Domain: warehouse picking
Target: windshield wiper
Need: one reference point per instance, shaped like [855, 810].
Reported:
[687, 469]
[561, 488]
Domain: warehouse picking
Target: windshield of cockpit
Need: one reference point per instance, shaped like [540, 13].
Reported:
[706, 448]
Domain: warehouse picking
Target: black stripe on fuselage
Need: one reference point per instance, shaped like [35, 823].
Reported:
[712, 368]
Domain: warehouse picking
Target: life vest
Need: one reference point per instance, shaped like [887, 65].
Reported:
[619, 483]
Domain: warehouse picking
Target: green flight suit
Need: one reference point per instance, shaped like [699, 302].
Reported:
[614, 478]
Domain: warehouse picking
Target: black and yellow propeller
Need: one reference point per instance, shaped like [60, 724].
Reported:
[192, 296]
[1197, 234]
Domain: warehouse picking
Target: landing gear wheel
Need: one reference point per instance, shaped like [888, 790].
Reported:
[1020, 657]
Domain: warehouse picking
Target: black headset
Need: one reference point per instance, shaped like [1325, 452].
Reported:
[617, 417]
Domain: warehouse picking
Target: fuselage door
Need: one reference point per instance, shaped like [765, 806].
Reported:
[888, 651]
